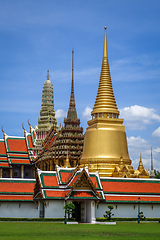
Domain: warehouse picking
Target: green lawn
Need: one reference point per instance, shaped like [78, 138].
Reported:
[47, 230]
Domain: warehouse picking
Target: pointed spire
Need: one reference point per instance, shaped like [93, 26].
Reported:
[105, 100]
[67, 164]
[47, 74]
[72, 113]
[151, 161]
[140, 167]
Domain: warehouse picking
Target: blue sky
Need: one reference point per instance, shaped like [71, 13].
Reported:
[39, 35]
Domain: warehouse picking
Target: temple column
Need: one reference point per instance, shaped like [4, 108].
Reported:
[10, 174]
[51, 165]
[1, 173]
[45, 166]
[48, 167]
[42, 165]
[22, 171]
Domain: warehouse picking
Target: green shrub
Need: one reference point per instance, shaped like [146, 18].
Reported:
[103, 219]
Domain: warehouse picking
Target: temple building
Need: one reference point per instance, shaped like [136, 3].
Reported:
[50, 166]
[64, 148]
[47, 115]
[105, 143]
[17, 156]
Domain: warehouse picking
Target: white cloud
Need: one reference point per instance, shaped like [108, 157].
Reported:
[139, 145]
[137, 117]
[60, 113]
[87, 113]
[156, 133]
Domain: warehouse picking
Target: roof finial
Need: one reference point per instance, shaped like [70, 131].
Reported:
[72, 113]
[23, 128]
[2, 129]
[72, 89]
[47, 74]
[105, 52]
[151, 161]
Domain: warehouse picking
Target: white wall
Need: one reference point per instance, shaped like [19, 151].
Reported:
[54, 209]
[129, 210]
[18, 209]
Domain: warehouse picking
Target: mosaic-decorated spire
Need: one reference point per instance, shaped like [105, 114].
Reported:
[47, 113]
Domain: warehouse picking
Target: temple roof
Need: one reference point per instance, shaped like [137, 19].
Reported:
[16, 189]
[130, 189]
[67, 183]
[17, 150]
[74, 183]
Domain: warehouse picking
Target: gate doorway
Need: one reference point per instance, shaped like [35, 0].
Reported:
[78, 211]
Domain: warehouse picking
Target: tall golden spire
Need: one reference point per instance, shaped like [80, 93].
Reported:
[105, 100]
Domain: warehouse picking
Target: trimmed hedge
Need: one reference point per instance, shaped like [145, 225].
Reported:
[102, 219]
[33, 219]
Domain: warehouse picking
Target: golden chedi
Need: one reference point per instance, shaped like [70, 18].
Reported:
[105, 144]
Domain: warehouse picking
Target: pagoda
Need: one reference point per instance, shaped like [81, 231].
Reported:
[66, 148]
[47, 115]
[105, 143]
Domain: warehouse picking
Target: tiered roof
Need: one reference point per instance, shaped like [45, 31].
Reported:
[68, 183]
[79, 184]
[17, 150]
[16, 189]
[130, 189]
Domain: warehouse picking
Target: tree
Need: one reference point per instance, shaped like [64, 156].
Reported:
[70, 207]
[109, 213]
[141, 215]
[157, 173]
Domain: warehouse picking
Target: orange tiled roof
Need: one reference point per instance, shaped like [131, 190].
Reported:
[14, 186]
[3, 159]
[16, 144]
[65, 175]
[18, 155]
[50, 181]
[4, 164]
[2, 147]
[55, 194]
[16, 197]
[132, 198]
[130, 186]
[20, 161]
[83, 194]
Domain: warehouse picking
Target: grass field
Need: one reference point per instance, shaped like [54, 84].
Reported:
[45, 230]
